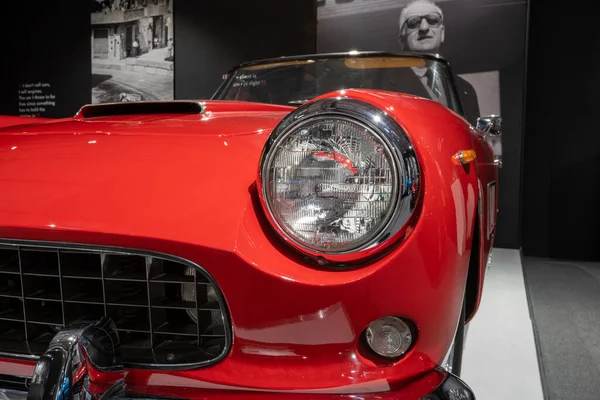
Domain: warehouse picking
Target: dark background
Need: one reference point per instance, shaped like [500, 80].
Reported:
[51, 44]
[480, 35]
[212, 37]
[561, 150]
[561, 182]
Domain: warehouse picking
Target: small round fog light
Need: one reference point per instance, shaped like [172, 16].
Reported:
[389, 337]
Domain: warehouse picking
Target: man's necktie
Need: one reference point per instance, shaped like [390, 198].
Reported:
[433, 82]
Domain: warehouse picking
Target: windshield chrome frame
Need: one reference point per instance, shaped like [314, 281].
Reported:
[455, 102]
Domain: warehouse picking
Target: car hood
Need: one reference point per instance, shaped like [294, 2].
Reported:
[218, 118]
[176, 177]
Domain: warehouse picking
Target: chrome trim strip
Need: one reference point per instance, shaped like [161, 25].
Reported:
[357, 54]
[4, 242]
[492, 209]
[27, 357]
[480, 198]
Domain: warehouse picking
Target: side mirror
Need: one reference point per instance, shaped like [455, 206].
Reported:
[491, 127]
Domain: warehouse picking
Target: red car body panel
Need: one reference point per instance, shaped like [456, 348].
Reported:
[7, 120]
[185, 185]
[416, 388]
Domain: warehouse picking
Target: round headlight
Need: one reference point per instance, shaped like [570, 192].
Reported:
[335, 182]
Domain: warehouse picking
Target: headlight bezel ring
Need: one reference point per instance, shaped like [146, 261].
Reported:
[407, 175]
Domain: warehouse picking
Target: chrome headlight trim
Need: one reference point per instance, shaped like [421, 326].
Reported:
[407, 172]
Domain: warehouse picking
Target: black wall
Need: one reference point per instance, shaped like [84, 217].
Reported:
[53, 45]
[50, 45]
[561, 180]
[212, 37]
[491, 35]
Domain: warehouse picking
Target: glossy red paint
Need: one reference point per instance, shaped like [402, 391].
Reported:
[100, 382]
[6, 120]
[185, 185]
[420, 386]
[20, 368]
[488, 175]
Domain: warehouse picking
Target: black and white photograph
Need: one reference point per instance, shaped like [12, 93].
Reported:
[484, 42]
[458, 30]
[133, 50]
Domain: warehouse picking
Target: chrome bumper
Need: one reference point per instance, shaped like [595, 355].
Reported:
[62, 373]
[453, 388]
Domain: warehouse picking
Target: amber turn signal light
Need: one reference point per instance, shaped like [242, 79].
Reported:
[464, 157]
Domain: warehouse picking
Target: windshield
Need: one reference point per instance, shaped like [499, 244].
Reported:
[294, 82]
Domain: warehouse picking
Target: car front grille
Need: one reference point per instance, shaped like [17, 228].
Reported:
[168, 311]
[13, 383]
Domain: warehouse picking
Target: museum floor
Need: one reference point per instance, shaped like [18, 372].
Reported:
[565, 308]
[555, 304]
[500, 360]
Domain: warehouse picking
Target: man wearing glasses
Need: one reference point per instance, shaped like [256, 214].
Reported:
[422, 30]
[421, 27]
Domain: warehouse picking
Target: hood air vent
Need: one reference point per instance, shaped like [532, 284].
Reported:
[141, 107]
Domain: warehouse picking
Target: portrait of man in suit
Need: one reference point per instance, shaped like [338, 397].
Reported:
[421, 30]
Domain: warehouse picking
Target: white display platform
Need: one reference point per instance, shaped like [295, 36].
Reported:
[500, 359]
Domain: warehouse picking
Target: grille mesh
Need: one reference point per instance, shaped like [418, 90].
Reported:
[166, 311]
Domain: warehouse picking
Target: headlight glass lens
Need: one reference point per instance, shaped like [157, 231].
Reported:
[331, 184]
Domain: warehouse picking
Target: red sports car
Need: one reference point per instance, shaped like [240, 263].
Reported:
[319, 229]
